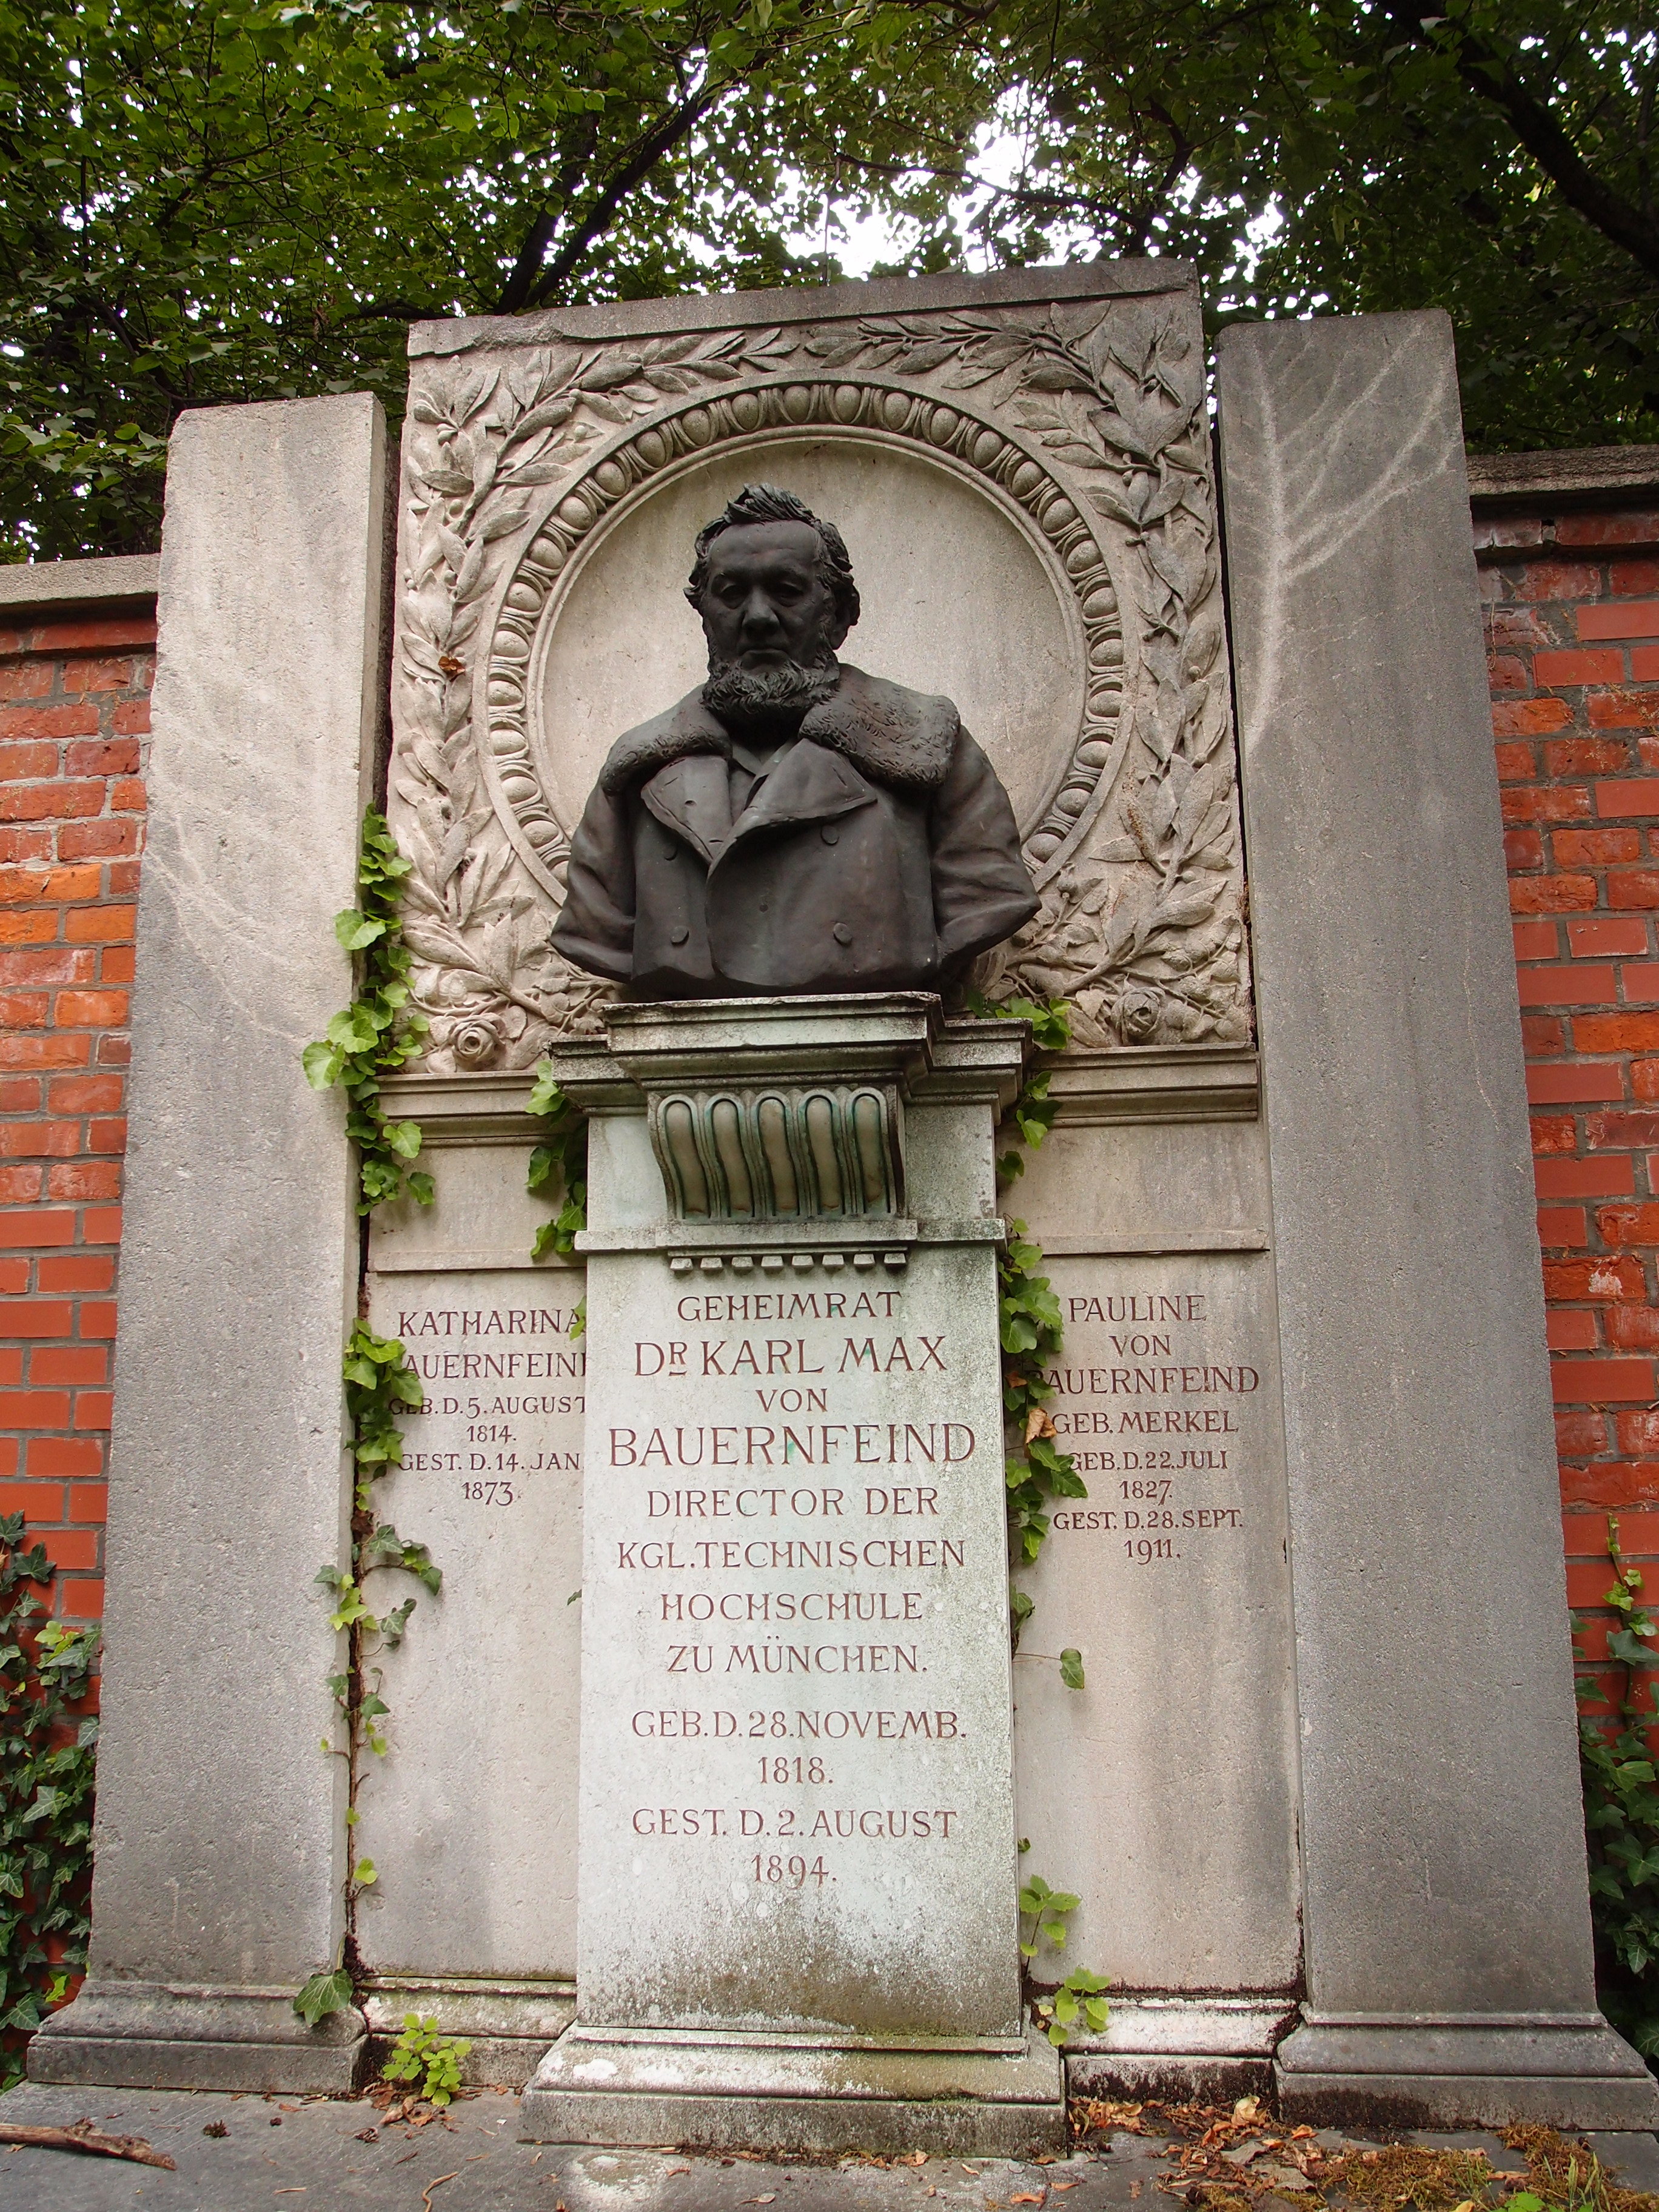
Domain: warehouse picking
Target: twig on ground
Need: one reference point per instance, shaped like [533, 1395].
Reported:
[83, 2137]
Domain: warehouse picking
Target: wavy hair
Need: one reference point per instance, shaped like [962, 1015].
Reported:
[761, 503]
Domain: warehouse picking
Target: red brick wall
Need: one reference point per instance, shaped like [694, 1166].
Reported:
[74, 718]
[1572, 616]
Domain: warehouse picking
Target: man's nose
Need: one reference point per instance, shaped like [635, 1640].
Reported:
[760, 616]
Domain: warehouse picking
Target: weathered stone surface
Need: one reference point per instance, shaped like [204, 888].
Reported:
[1171, 1577]
[471, 1819]
[143, 2035]
[1177, 2050]
[796, 1732]
[773, 2097]
[1444, 1861]
[219, 1838]
[508, 2023]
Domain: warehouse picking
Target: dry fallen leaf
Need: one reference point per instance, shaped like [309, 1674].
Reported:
[1022, 2196]
[770, 2198]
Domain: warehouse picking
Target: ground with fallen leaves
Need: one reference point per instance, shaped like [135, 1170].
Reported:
[1235, 2157]
[390, 2151]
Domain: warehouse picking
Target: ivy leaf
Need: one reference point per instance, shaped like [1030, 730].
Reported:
[322, 1994]
[355, 929]
[322, 1064]
[1071, 1667]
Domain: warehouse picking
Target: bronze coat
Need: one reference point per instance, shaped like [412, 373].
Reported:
[880, 854]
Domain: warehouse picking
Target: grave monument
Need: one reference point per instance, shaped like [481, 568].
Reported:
[726, 1850]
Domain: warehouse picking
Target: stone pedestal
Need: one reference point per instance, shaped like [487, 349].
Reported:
[797, 1902]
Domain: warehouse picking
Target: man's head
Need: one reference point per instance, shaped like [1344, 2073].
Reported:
[774, 588]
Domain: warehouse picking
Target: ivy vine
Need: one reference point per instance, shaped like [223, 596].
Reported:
[47, 1750]
[373, 1038]
[1621, 1807]
[377, 1033]
[561, 1160]
[1030, 1331]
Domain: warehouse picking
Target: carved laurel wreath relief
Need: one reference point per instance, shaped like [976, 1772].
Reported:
[1085, 423]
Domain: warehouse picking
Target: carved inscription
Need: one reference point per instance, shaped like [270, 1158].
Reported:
[1159, 1397]
[506, 1389]
[1172, 1578]
[485, 1683]
[794, 1564]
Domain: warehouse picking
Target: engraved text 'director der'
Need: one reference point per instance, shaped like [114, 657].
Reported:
[794, 826]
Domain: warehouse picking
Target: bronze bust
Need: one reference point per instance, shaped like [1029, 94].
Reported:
[794, 826]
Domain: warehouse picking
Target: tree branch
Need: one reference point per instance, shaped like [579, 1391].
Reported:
[515, 292]
[677, 124]
[1488, 75]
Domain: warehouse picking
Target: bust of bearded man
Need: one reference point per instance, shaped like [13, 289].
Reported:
[794, 826]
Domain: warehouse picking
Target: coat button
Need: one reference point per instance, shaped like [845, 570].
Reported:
[829, 833]
[679, 935]
[670, 852]
[841, 934]
[761, 905]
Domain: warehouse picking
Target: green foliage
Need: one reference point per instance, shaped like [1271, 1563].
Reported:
[1030, 1327]
[1491, 157]
[1048, 1910]
[560, 1159]
[218, 200]
[1032, 1113]
[380, 1382]
[46, 1771]
[1079, 1997]
[1621, 1809]
[373, 1038]
[376, 1034]
[213, 200]
[322, 1994]
[421, 2054]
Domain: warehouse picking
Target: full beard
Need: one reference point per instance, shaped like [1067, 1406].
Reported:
[768, 699]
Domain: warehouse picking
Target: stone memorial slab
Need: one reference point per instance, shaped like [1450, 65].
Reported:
[1173, 1578]
[796, 1606]
[749, 1808]
[220, 1839]
[470, 1819]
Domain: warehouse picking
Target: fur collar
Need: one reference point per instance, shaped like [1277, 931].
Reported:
[897, 736]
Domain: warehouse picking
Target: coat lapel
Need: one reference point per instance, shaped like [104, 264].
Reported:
[692, 797]
[808, 785]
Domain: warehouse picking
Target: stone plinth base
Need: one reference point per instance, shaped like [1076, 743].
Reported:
[1180, 2050]
[146, 2035]
[1573, 2073]
[666, 2087]
[509, 2024]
